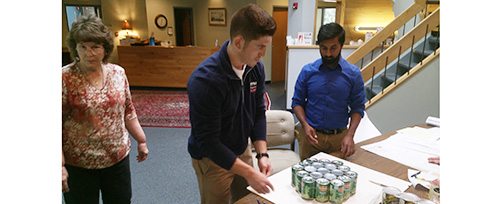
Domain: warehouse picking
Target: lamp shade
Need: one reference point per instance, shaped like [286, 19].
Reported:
[126, 25]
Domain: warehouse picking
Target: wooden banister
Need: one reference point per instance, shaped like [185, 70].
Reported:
[387, 31]
[433, 20]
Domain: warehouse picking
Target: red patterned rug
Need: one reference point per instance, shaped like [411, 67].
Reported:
[156, 108]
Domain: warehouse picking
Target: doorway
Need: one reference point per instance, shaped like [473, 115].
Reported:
[183, 18]
[278, 49]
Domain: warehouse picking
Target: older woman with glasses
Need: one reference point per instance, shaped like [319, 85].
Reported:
[97, 117]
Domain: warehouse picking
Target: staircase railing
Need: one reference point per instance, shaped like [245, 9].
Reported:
[387, 32]
[394, 52]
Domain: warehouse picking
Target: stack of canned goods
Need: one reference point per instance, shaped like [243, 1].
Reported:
[324, 180]
[392, 195]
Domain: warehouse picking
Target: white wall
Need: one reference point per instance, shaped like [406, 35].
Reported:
[411, 103]
[301, 19]
[399, 7]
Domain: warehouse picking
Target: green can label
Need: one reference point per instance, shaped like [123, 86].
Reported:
[298, 179]
[308, 188]
[353, 176]
[296, 168]
[336, 191]
[347, 186]
[322, 190]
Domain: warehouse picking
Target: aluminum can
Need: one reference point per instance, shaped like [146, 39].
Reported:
[353, 176]
[304, 163]
[317, 164]
[308, 188]
[330, 167]
[294, 169]
[337, 172]
[311, 160]
[323, 170]
[310, 169]
[347, 187]
[322, 190]
[316, 175]
[330, 176]
[336, 191]
[325, 161]
[299, 177]
[344, 168]
[337, 163]
[390, 195]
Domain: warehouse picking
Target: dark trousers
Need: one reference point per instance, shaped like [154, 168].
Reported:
[114, 183]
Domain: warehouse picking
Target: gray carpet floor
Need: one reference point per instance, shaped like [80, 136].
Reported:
[167, 176]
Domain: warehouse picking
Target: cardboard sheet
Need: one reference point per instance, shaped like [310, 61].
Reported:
[367, 191]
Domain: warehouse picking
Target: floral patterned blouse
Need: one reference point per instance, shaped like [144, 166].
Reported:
[94, 133]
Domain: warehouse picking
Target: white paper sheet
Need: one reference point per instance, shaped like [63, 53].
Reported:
[410, 146]
[365, 130]
[422, 178]
[367, 192]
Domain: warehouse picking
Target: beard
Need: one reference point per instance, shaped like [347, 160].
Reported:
[331, 61]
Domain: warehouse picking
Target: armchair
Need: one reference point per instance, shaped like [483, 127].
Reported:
[280, 138]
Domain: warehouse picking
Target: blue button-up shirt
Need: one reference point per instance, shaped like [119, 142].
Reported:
[329, 96]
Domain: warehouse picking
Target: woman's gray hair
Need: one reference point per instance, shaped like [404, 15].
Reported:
[89, 28]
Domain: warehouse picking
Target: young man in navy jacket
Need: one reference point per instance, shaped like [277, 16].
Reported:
[226, 108]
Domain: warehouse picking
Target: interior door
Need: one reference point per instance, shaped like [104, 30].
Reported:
[278, 52]
[184, 26]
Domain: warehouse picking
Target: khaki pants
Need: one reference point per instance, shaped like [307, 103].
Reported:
[217, 185]
[328, 143]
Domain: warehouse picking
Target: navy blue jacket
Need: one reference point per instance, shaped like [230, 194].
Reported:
[224, 110]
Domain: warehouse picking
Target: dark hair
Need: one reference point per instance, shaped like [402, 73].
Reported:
[90, 28]
[329, 31]
[252, 22]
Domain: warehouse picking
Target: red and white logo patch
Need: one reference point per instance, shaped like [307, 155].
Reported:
[253, 87]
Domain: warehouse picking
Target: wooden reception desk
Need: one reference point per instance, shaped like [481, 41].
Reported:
[158, 66]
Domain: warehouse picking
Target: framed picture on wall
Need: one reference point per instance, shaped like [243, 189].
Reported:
[217, 16]
[75, 11]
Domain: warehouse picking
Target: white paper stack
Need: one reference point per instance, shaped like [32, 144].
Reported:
[412, 147]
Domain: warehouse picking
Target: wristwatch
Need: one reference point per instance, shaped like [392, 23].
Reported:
[259, 155]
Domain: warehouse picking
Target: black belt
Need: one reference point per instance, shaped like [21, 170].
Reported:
[331, 132]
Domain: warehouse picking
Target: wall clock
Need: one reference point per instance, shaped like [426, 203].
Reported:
[161, 21]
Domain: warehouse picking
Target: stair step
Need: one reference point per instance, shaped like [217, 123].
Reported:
[390, 78]
[419, 55]
[434, 40]
[435, 33]
[374, 91]
[419, 52]
[404, 66]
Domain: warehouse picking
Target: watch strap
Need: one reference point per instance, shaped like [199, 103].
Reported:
[260, 155]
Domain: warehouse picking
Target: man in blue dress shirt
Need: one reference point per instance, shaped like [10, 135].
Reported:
[328, 93]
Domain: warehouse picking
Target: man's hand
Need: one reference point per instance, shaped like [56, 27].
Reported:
[311, 134]
[142, 152]
[259, 182]
[347, 146]
[65, 176]
[264, 166]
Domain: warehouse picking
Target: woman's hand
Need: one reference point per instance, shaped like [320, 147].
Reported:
[142, 152]
[65, 176]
